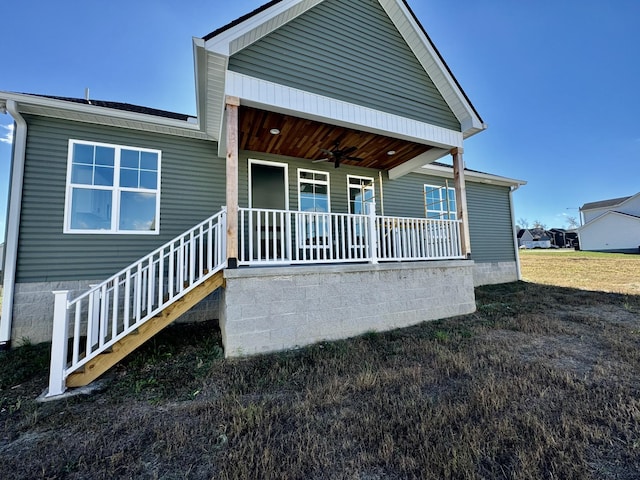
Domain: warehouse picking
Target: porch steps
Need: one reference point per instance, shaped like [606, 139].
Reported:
[102, 363]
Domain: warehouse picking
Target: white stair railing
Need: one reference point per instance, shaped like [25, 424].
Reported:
[92, 323]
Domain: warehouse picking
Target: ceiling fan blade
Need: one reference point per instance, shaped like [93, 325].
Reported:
[321, 160]
[348, 150]
[355, 159]
[327, 152]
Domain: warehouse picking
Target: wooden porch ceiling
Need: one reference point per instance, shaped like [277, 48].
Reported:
[303, 138]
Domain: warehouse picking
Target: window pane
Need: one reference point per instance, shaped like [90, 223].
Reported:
[91, 209]
[306, 175]
[322, 204]
[149, 161]
[103, 176]
[321, 190]
[129, 158]
[306, 203]
[83, 154]
[148, 180]
[105, 156]
[128, 178]
[137, 211]
[82, 174]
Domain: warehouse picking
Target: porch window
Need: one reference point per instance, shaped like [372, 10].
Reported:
[112, 189]
[440, 202]
[313, 188]
[361, 194]
[313, 198]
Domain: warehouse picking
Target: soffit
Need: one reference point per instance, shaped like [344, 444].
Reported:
[303, 138]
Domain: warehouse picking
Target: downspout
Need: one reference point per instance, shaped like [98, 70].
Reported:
[13, 223]
[515, 234]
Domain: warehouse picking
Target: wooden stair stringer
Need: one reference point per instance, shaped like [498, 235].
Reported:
[105, 361]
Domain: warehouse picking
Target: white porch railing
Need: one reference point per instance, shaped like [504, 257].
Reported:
[108, 312]
[282, 237]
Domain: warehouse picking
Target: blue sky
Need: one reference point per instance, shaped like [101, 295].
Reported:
[556, 81]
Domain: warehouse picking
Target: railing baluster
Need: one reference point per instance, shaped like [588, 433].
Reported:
[115, 308]
[76, 333]
[127, 300]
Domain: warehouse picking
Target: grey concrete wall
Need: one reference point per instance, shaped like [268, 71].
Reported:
[271, 309]
[33, 308]
[493, 273]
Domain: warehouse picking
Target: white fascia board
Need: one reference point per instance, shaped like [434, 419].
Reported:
[417, 162]
[256, 27]
[628, 200]
[433, 65]
[201, 79]
[50, 105]
[271, 96]
[479, 177]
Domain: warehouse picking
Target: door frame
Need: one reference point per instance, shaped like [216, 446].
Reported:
[285, 167]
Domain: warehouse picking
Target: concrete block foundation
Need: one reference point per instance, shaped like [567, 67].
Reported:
[271, 309]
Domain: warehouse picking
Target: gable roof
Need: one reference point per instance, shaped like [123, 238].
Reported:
[270, 4]
[604, 203]
[610, 213]
[213, 51]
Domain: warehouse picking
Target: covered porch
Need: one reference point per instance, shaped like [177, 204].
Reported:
[264, 230]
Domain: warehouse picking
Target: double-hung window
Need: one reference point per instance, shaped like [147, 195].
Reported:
[313, 201]
[112, 189]
[361, 194]
[440, 202]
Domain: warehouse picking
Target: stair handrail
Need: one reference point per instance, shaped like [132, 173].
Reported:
[149, 285]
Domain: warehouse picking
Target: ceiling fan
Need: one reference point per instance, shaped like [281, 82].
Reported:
[337, 155]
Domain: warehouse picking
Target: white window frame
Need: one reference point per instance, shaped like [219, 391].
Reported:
[302, 239]
[443, 212]
[115, 190]
[372, 188]
[315, 182]
[272, 164]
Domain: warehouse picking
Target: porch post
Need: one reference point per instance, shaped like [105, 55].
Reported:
[461, 200]
[232, 105]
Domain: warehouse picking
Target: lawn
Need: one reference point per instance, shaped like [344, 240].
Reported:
[541, 382]
[606, 272]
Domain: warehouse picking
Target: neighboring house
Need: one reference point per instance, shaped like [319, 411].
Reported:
[563, 238]
[534, 238]
[320, 148]
[611, 225]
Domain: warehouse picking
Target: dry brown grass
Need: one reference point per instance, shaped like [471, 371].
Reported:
[606, 272]
[541, 383]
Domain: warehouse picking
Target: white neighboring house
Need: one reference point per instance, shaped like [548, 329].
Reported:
[611, 225]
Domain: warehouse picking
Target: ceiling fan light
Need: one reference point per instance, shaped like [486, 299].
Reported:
[274, 131]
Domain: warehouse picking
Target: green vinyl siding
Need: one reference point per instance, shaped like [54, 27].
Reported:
[192, 189]
[350, 51]
[488, 207]
[339, 199]
[490, 224]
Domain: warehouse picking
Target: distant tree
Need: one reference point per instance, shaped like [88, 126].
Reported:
[572, 222]
[523, 223]
[539, 224]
